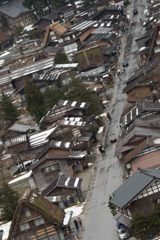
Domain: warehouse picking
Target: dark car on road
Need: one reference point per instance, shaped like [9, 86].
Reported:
[135, 12]
[124, 64]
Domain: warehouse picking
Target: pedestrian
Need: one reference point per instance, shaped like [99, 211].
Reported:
[76, 223]
[140, 19]
[100, 149]
[80, 222]
[109, 116]
[76, 236]
[98, 152]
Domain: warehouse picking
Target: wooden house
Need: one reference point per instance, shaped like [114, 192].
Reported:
[53, 31]
[55, 160]
[138, 146]
[144, 82]
[68, 188]
[16, 14]
[140, 192]
[36, 218]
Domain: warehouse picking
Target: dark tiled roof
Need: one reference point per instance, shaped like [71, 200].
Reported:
[147, 67]
[64, 182]
[13, 8]
[51, 16]
[63, 9]
[49, 157]
[133, 186]
[141, 41]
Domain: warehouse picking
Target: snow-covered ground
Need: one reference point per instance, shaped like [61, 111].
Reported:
[6, 156]
[76, 209]
[90, 164]
[27, 175]
[4, 54]
[5, 227]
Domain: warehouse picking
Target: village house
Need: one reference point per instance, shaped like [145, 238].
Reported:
[55, 160]
[35, 217]
[144, 82]
[139, 145]
[140, 192]
[53, 31]
[16, 14]
[65, 13]
[109, 10]
[68, 188]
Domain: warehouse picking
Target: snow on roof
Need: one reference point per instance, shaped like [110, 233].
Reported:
[21, 177]
[67, 218]
[5, 227]
[77, 209]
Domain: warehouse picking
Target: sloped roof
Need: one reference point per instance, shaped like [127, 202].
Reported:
[141, 41]
[19, 128]
[13, 8]
[133, 186]
[56, 28]
[51, 16]
[65, 182]
[50, 211]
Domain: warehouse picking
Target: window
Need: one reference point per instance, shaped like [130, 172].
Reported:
[51, 168]
[28, 214]
[38, 221]
[24, 226]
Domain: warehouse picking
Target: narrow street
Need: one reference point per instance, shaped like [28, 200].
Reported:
[100, 223]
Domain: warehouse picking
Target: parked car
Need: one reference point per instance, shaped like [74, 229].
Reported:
[124, 64]
[122, 234]
[135, 12]
[120, 225]
[112, 137]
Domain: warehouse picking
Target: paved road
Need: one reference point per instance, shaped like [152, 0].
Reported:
[100, 224]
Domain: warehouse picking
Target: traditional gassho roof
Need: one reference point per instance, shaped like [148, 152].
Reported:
[50, 211]
[64, 182]
[133, 186]
[61, 108]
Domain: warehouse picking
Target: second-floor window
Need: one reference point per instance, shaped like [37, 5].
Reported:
[51, 168]
[39, 221]
[28, 214]
[24, 226]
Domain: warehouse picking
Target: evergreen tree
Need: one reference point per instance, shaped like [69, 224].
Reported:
[34, 99]
[60, 58]
[112, 206]
[75, 90]
[18, 30]
[9, 111]
[8, 201]
[52, 96]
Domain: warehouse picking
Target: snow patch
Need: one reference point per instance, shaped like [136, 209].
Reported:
[21, 177]
[90, 164]
[76, 209]
[157, 141]
[67, 218]
[5, 227]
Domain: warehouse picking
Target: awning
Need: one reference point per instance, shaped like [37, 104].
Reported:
[119, 217]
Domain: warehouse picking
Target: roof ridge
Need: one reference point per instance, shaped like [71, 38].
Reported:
[146, 173]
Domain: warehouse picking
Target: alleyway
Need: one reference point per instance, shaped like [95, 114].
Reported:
[100, 224]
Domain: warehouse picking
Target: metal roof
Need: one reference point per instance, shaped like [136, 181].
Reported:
[54, 199]
[16, 140]
[13, 8]
[46, 77]
[142, 70]
[28, 69]
[19, 128]
[101, 30]
[133, 186]
[92, 72]
[65, 182]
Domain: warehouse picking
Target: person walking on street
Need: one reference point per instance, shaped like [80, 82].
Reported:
[109, 116]
[76, 224]
[76, 236]
[80, 222]
[123, 70]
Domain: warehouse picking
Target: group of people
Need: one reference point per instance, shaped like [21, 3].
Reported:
[119, 72]
[101, 149]
[77, 224]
